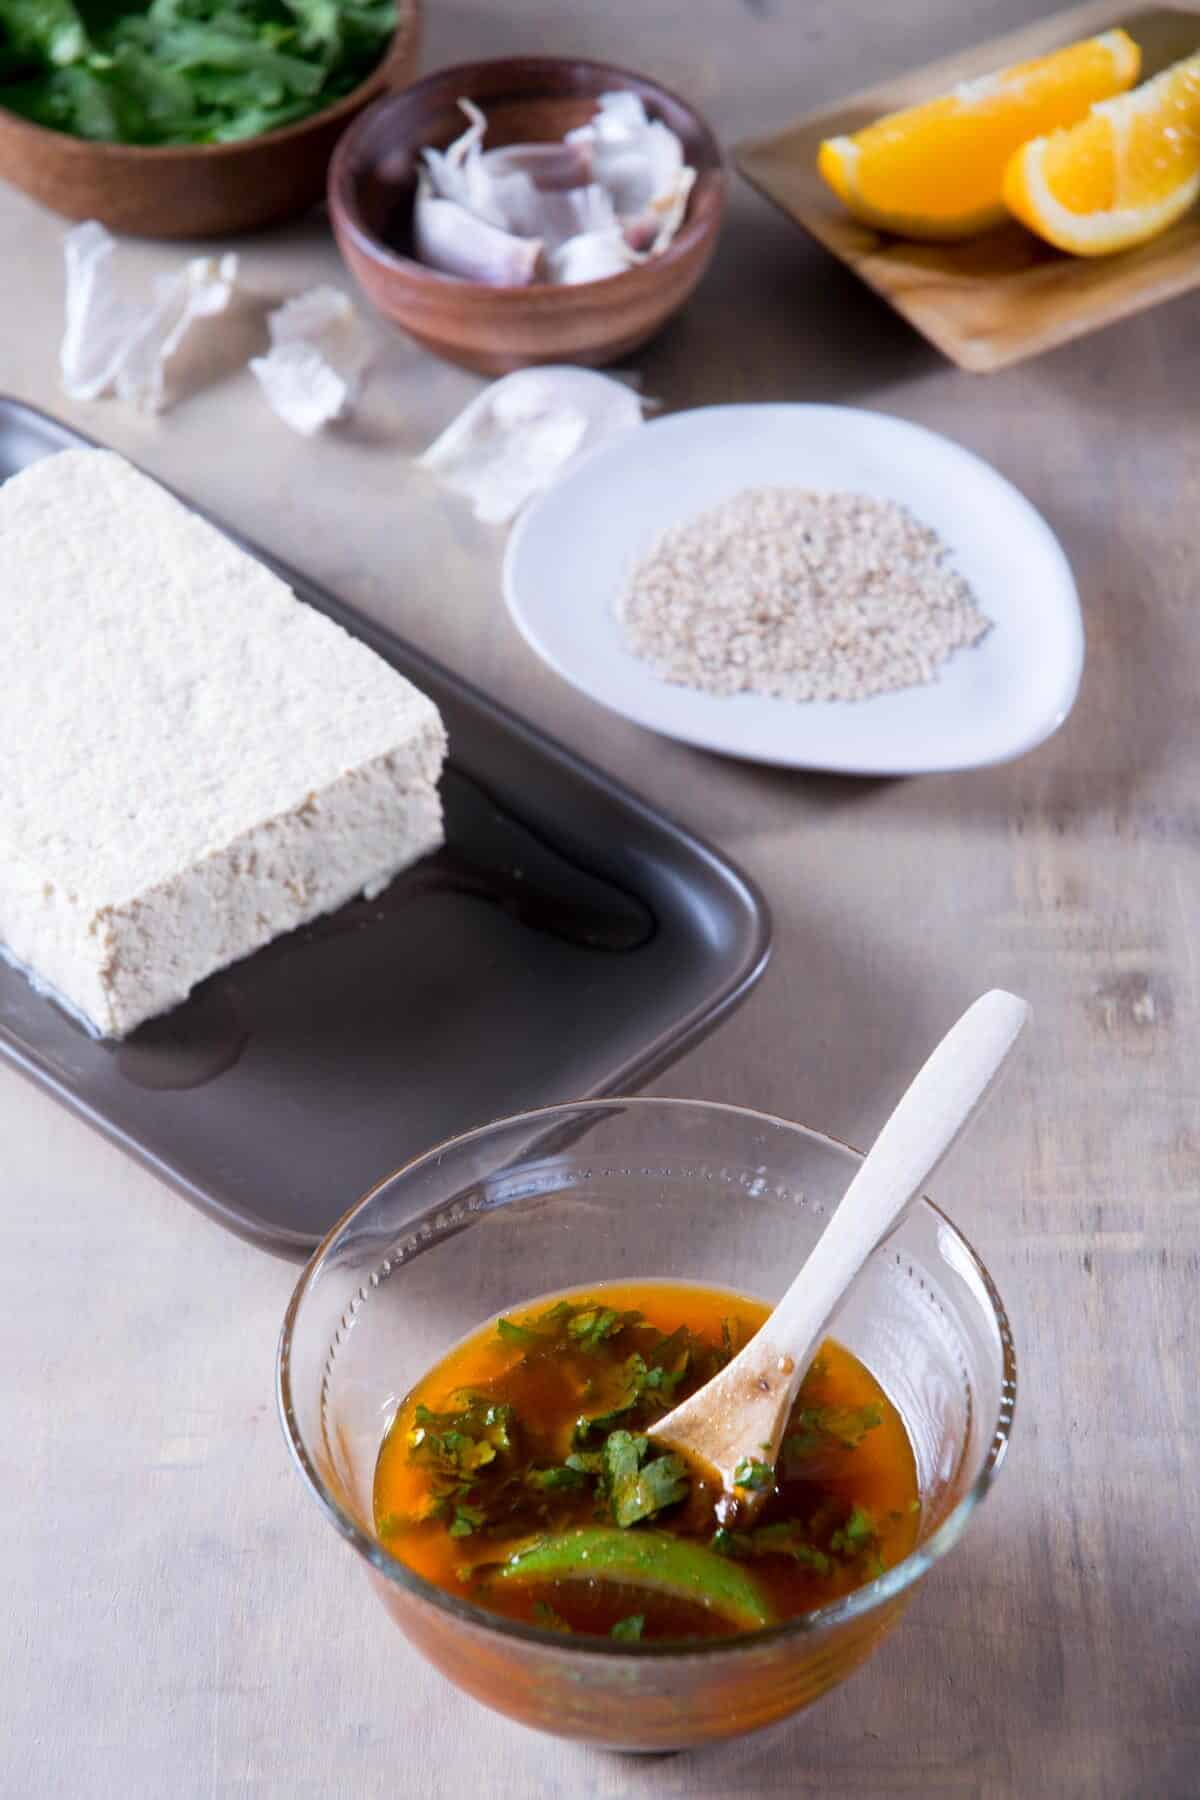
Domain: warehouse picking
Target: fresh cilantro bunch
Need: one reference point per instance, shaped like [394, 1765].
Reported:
[184, 71]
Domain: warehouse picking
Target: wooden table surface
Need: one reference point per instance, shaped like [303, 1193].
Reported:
[178, 1619]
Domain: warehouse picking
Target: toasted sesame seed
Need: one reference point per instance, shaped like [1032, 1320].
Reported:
[800, 594]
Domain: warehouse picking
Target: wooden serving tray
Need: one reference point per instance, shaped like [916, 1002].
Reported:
[1000, 298]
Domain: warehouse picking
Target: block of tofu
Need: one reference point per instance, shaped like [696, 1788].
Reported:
[191, 759]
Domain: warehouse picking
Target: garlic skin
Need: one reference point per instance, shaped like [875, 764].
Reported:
[115, 345]
[524, 431]
[319, 356]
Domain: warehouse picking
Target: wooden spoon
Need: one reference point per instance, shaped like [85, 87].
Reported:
[732, 1427]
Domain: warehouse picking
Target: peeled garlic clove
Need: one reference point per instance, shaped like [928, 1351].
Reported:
[592, 256]
[458, 242]
[612, 190]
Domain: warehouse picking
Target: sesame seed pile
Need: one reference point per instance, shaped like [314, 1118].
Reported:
[805, 595]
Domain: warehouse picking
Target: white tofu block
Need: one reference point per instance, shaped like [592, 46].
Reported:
[192, 761]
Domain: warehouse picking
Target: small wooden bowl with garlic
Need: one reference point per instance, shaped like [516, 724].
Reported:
[570, 208]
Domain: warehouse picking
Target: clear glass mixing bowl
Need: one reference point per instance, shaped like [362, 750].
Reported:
[614, 1189]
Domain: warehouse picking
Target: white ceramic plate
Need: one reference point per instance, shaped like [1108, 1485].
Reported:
[570, 555]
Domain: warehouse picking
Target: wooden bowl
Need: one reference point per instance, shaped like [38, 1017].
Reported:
[372, 184]
[197, 190]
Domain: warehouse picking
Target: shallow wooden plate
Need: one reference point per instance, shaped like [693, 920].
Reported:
[1006, 296]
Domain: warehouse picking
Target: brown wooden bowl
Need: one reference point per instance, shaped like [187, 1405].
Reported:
[197, 190]
[372, 184]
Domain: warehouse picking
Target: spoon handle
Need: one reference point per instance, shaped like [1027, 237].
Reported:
[941, 1101]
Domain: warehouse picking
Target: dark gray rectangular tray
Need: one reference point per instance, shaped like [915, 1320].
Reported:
[569, 941]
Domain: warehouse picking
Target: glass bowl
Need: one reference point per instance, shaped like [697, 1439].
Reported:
[617, 1189]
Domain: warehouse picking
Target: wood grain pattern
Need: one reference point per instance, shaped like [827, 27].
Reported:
[179, 1619]
[999, 298]
[372, 186]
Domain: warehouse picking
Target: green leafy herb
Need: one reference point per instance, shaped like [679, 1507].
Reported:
[629, 1629]
[562, 1477]
[820, 1428]
[621, 1457]
[754, 1475]
[638, 1486]
[184, 71]
[465, 1440]
[590, 1327]
[466, 1520]
[577, 1325]
[510, 1333]
[734, 1337]
[788, 1537]
[857, 1535]
[633, 1377]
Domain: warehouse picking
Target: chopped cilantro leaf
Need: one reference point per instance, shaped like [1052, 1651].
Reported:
[734, 1337]
[856, 1535]
[466, 1520]
[752, 1474]
[555, 1315]
[860, 1526]
[591, 1327]
[637, 1487]
[629, 1629]
[561, 1476]
[830, 1427]
[788, 1537]
[620, 1456]
[509, 1333]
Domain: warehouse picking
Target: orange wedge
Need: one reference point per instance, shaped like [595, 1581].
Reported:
[1122, 176]
[937, 170]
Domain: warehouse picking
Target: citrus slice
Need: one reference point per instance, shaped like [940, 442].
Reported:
[937, 170]
[1121, 176]
[644, 1559]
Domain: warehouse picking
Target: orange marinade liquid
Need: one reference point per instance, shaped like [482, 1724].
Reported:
[878, 1475]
